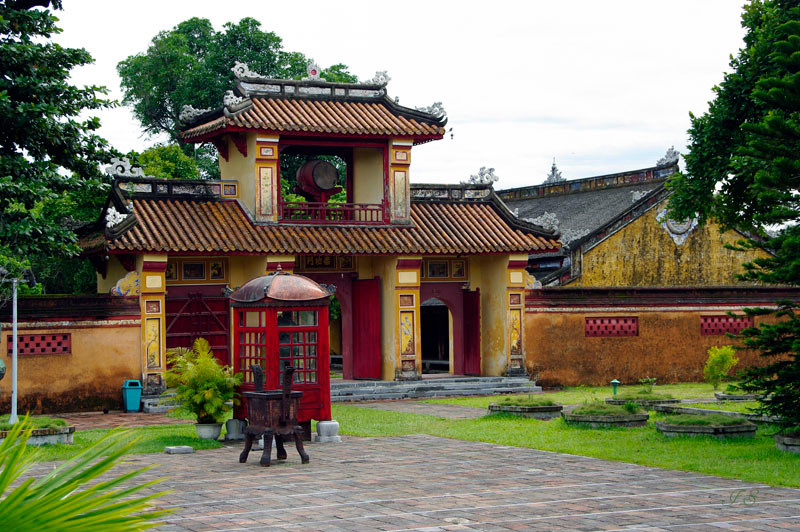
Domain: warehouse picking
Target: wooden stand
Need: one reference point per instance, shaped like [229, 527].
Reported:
[273, 413]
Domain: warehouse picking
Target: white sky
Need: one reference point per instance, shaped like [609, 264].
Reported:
[603, 87]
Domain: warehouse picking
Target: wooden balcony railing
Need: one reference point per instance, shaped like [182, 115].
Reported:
[339, 213]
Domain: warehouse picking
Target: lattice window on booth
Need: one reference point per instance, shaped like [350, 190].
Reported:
[719, 325]
[612, 326]
[41, 344]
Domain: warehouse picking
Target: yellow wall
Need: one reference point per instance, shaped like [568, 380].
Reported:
[114, 273]
[489, 273]
[367, 175]
[246, 267]
[241, 169]
[669, 347]
[644, 254]
[103, 356]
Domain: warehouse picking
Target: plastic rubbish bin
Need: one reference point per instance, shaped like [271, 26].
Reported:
[131, 395]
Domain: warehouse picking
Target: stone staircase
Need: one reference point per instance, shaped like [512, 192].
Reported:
[158, 404]
[441, 387]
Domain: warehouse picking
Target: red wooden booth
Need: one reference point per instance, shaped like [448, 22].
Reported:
[281, 320]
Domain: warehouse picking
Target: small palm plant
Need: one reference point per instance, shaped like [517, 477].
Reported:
[202, 386]
[67, 499]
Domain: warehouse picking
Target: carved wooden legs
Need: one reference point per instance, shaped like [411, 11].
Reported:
[298, 442]
[280, 447]
[248, 444]
[267, 447]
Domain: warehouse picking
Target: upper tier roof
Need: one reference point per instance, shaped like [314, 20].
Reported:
[311, 106]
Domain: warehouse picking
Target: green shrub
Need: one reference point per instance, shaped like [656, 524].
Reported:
[599, 408]
[202, 386]
[526, 401]
[68, 498]
[721, 361]
[648, 383]
[705, 420]
[38, 422]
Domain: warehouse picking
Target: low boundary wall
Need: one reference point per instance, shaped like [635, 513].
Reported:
[668, 342]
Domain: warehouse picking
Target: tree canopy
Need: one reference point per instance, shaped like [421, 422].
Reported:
[743, 170]
[191, 65]
[49, 154]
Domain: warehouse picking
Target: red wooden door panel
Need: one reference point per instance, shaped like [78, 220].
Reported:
[194, 315]
[472, 332]
[367, 329]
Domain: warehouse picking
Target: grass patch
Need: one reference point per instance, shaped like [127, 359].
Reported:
[37, 422]
[751, 460]
[642, 395]
[575, 395]
[527, 401]
[745, 407]
[598, 408]
[150, 440]
[704, 420]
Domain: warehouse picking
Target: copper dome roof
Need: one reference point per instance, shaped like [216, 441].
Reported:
[279, 286]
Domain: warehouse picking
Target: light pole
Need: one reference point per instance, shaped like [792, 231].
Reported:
[31, 280]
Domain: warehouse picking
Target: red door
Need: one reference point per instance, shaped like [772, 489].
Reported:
[472, 332]
[367, 329]
[192, 314]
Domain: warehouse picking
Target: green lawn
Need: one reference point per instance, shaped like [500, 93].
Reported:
[574, 395]
[753, 460]
[37, 422]
[150, 440]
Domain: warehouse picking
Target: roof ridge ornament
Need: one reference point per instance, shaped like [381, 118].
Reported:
[554, 176]
[229, 99]
[313, 70]
[485, 176]
[381, 78]
[190, 113]
[122, 167]
[437, 110]
[670, 158]
[242, 71]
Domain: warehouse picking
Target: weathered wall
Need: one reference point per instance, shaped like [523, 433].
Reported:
[644, 254]
[104, 352]
[488, 273]
[367, 175]
[669, 346]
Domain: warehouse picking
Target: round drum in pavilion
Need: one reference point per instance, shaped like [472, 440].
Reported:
[281, 320]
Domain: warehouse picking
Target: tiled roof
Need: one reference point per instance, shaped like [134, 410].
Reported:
[289, 115]
[176, 226]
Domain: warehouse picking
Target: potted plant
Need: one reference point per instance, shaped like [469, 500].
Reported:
[203, 386]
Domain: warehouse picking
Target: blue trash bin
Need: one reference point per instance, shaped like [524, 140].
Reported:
[131, 395]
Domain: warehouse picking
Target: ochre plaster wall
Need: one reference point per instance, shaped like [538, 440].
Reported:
[669, 347]
[241, 169]
[246, 267]
[644, 254]
[367, 175]
[90, 378]
[489, 273]
[114, 272]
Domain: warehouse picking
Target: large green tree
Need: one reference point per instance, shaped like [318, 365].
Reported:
[49, 153]
[743, 170]
[191, 65]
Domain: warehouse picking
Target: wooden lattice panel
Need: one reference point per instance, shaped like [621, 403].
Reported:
[616, 326]
[719, 325]
[42, 344]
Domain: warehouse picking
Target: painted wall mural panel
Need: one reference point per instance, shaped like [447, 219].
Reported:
[407, 333]
[265, 187]
[515, 331]
[153, 343]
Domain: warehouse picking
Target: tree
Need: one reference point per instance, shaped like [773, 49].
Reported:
[743, 170]
[191, 65]
[167, 162]
[49, 155]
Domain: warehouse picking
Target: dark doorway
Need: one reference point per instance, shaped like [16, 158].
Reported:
[435, 330]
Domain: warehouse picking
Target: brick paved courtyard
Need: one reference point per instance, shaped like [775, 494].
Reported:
[428, 483]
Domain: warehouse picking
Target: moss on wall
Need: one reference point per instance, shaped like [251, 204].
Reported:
[644, 254]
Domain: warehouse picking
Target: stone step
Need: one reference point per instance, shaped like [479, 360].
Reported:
[377, 395]
[432, 382]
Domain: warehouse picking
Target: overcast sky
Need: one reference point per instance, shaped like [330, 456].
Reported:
[603, 87]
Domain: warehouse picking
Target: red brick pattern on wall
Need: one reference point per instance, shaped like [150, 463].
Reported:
[41, 344]
[611, 326]
[719, 325]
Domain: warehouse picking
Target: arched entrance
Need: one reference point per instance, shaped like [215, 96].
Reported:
[463, 327]
[436, 328]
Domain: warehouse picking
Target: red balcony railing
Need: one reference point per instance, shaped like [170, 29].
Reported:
[340, 213]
